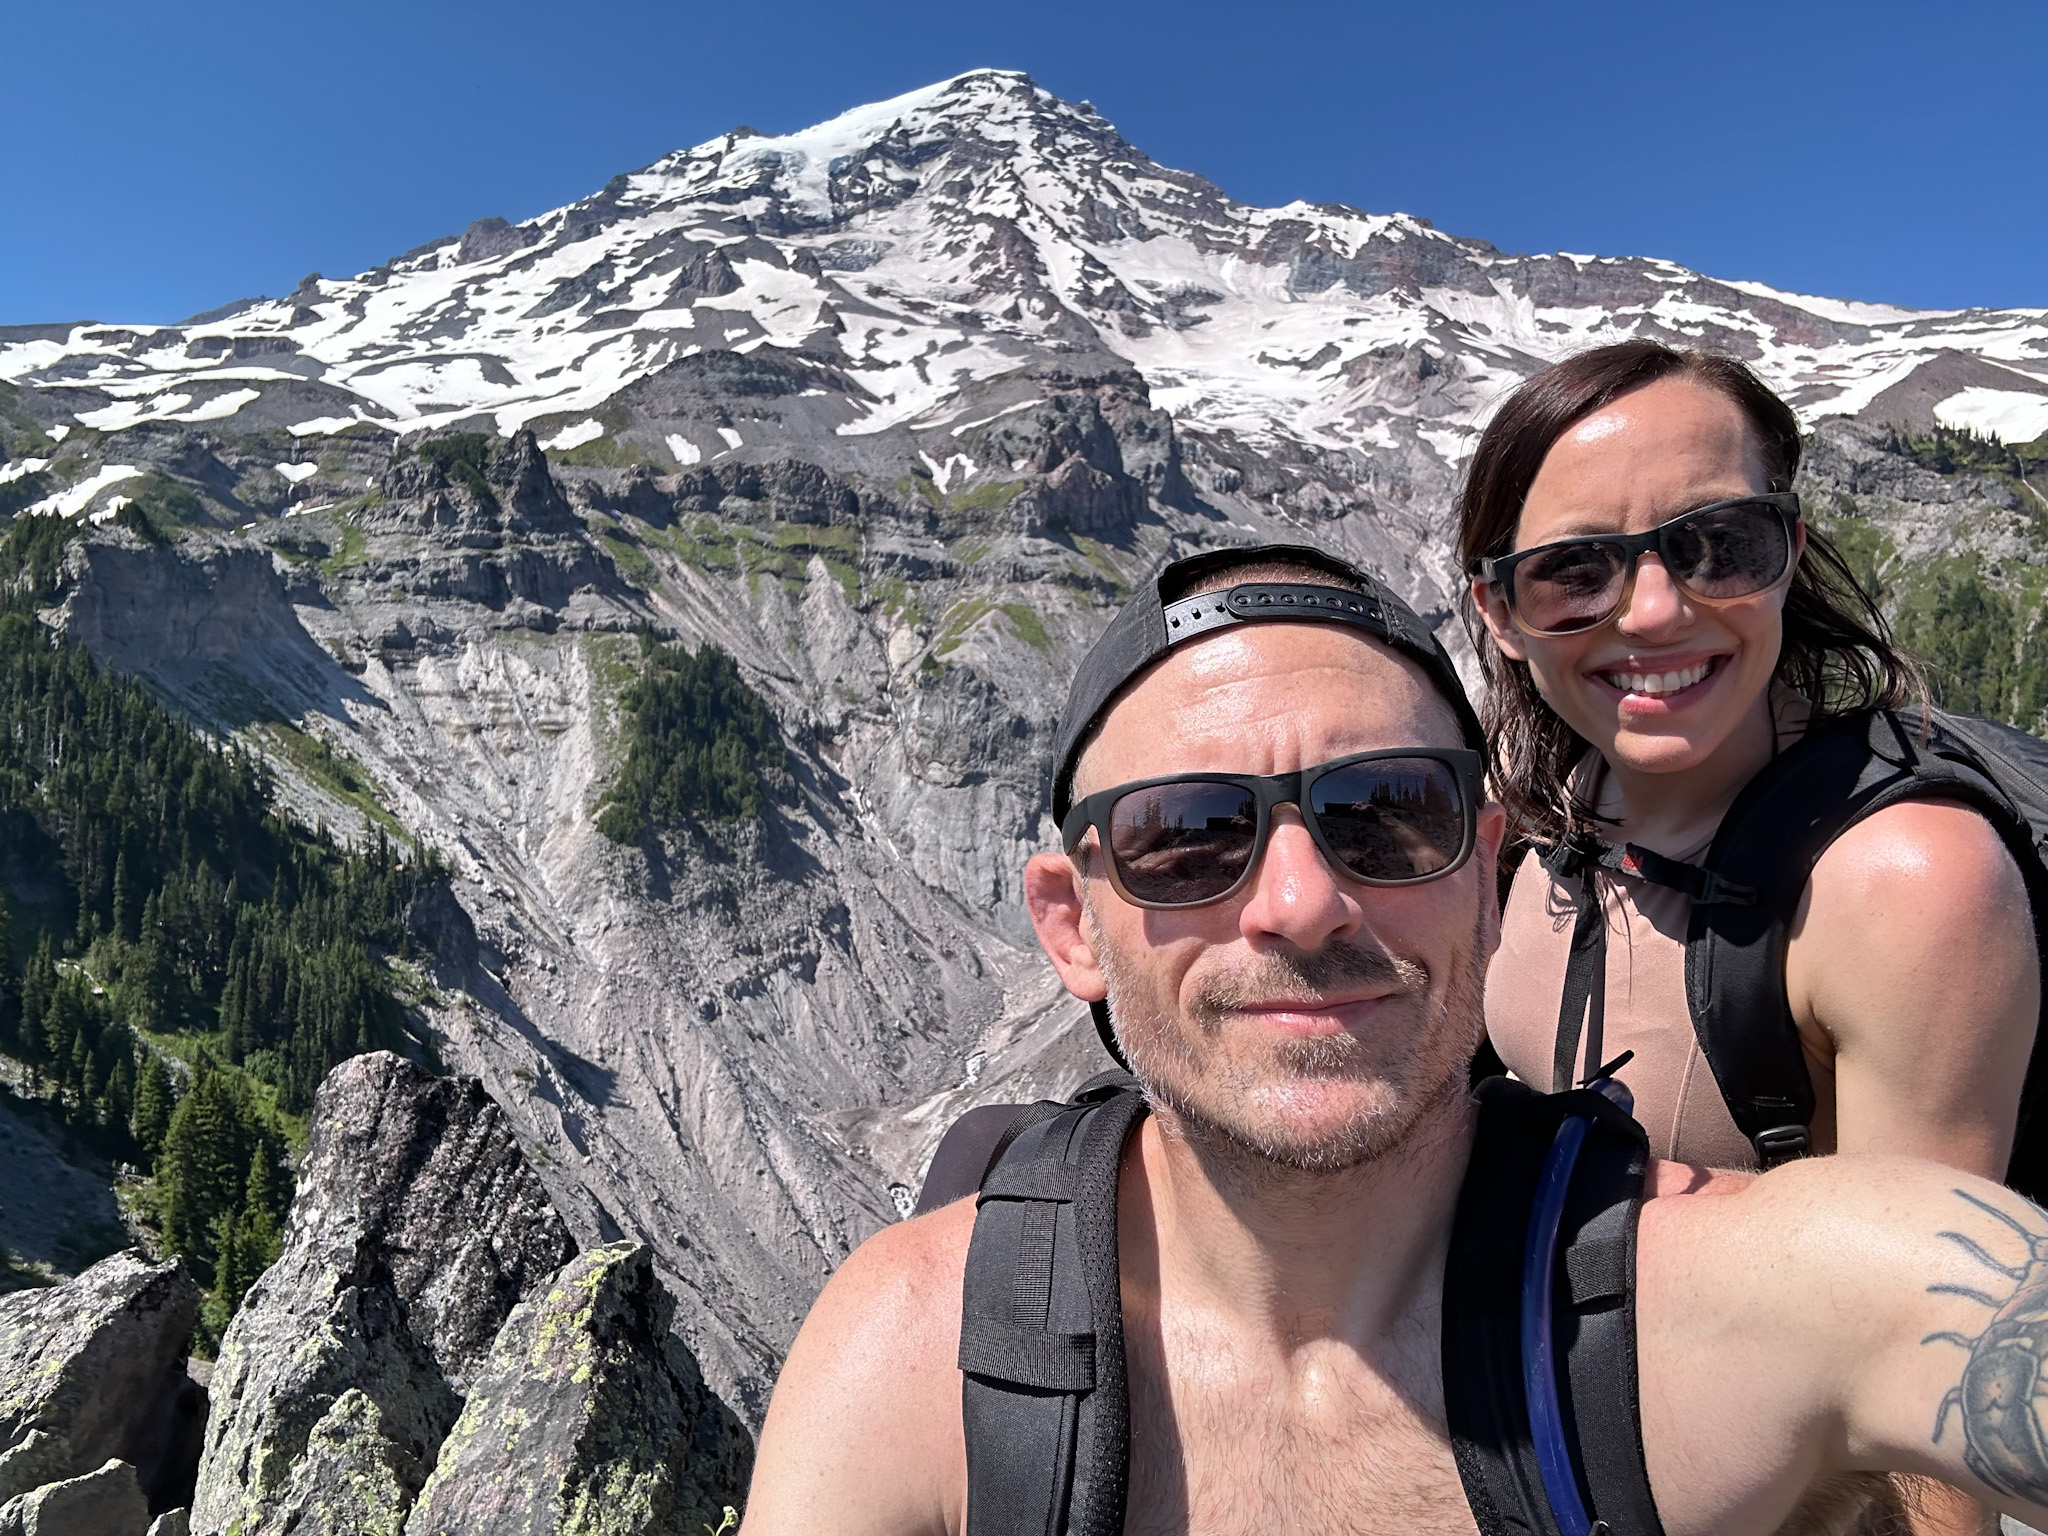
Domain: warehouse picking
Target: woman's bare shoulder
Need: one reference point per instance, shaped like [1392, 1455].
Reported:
[1919, 850]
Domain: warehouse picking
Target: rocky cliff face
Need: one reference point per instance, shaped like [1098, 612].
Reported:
[428, 1355]
[894, 411]
[426, 1320]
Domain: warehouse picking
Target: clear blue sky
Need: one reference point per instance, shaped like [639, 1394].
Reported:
[162, 159]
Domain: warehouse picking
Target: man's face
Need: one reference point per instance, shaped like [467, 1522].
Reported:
[1309, 1020]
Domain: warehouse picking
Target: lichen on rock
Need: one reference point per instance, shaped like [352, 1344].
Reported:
[94, 1370]
[588, 1420]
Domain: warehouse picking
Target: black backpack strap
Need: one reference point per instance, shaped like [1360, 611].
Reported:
[1044, 1402]
[972, 1143]
[1582, 1010]
[1782, 822]
[1576, 863]
[970, 1148]
[1593, 1324]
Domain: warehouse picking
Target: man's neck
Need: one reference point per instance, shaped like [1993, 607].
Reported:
[1291, 1255]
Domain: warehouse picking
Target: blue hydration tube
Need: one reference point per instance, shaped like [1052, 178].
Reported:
[1539, 1356]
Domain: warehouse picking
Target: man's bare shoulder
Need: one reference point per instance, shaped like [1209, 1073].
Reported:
[863, 1433]
[913, 1264]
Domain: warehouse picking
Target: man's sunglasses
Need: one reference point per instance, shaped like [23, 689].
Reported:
[1393, 817]
[1716, 554]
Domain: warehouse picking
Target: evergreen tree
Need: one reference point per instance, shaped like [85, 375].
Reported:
[203, 1169]
[187, 905]
[155, 1098]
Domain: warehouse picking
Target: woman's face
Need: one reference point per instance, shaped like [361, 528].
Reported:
[1669, 680]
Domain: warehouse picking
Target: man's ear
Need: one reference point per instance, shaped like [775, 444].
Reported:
[1052, 890]
[1492, 829]
[1493, 608]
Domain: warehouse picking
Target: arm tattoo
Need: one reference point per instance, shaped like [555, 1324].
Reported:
[2006, 1376]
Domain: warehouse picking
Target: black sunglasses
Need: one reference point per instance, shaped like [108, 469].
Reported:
[1393, 817]
[1716, 553]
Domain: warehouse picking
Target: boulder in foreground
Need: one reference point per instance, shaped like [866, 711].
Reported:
[93, 1370]
[417, 1227]
[589, 1420]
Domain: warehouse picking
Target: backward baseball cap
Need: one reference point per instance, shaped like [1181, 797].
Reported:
[1157, 619]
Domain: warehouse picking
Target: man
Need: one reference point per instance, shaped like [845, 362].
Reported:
[1299, 989]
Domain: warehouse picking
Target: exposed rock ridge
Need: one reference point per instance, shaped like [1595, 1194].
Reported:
[415, 1229]
[427, 1328]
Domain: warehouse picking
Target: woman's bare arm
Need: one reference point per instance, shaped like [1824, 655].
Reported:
[1912, 962]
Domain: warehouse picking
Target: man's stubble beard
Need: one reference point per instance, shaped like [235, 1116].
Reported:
[1216, 1110]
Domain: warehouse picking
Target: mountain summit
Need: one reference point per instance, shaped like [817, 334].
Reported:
[947, 237]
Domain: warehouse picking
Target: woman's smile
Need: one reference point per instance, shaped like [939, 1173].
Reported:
[1656, 685]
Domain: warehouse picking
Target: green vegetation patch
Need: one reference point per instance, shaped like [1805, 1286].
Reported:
[625, 552]
[158, 504]
[1030, 628]
[781, 550]
[334, 770]
[605, 452]
[465, 458]
[898, 597]
[960, 618]
[1096, 553]
[920, 487]
[701, 746]
[987, 497]
[351, 541]
[707, 544]
[168, 912]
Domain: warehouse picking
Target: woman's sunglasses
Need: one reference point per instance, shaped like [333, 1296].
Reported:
[1383, 818]
[1716, 553]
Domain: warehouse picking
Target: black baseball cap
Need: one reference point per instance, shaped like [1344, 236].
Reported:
[1157, 619]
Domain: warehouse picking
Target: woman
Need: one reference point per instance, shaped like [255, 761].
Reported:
[1631, 703]
[1634, 704]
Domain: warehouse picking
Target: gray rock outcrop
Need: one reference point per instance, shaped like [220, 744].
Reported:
[106, 1501]
[588, 1419]
[93, 1371]
[416, 1229]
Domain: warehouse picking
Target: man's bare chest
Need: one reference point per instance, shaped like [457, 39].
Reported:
[1323, 1444]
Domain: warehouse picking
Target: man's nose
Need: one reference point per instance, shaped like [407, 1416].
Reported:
[1656, 606]
[1296, 896]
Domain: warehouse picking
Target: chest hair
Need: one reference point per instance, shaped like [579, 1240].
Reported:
[1322, 1443]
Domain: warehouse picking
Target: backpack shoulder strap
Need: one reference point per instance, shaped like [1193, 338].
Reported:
[1044, 1402]
[973, 1142]
[970, 1148]
[1593, 1330]
[1776, 831]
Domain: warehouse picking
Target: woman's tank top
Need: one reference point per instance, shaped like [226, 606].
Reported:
[1677, 1099]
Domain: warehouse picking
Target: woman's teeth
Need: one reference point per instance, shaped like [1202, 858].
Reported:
[1655, 683]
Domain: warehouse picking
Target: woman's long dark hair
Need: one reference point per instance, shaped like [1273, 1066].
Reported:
[1837, 655]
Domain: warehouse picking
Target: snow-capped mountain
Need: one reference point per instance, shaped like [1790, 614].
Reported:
[939, 240]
